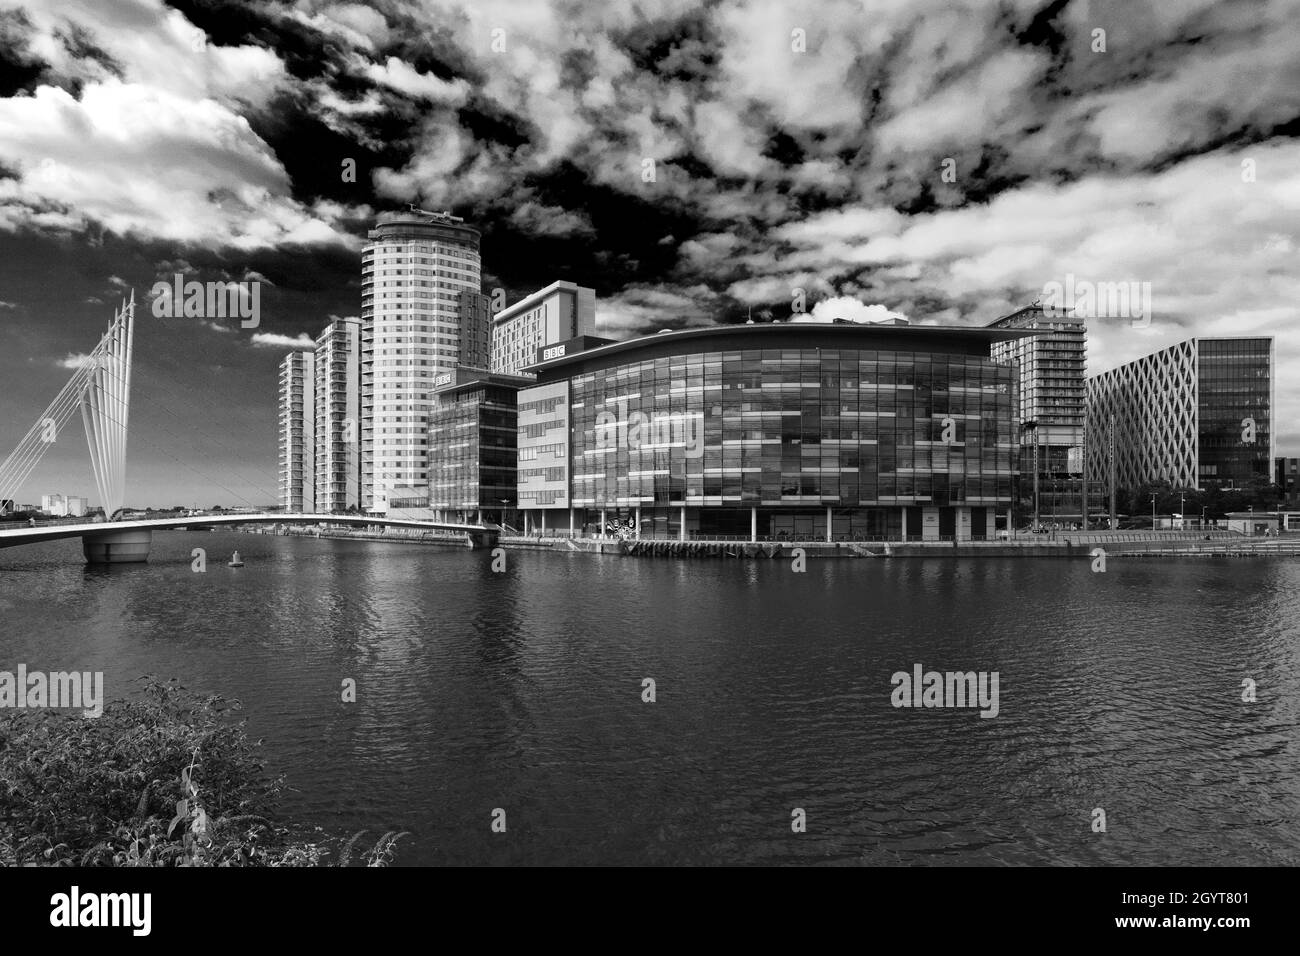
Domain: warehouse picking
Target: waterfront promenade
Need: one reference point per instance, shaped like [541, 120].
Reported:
[1059, 544]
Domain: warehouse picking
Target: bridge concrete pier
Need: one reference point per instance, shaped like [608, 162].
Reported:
[117, 547]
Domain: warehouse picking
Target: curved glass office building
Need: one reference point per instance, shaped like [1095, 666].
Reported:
[798, 430]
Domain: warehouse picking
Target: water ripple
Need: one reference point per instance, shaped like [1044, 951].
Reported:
[1119, 691]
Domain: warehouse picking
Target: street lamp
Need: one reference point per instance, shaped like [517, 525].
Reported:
[1182, 511]
[1153, 512]
[1025, 426]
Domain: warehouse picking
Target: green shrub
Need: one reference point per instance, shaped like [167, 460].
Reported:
[168, 779]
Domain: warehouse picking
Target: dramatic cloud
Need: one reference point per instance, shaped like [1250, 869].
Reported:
[937, 159]
[140, 130]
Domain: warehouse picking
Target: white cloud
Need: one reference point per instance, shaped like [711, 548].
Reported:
[731, 144]
[766, 289]
[155, 46]
[1191, 103]
[141, 161]
[541, 220]
[808, 90]
[642, 309]
[398, 76]
[707, 250]
[449, 168]
[278, 341]
[973, 110]
[359, 25]
[851, 308]
[155, 143]
[854, 222]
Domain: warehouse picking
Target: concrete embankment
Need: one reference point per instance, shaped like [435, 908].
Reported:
[777, 549]
[1247, 548]
[690, 549]
[1064, 546]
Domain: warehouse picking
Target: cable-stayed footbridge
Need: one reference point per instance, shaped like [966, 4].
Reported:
[100, 388]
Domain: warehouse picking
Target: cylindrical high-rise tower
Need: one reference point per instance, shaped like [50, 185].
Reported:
[413, 271]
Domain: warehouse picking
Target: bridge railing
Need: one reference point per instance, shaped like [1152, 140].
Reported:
[10, 524]
[371, 532]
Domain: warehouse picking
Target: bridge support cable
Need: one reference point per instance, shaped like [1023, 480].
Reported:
[184, 464]
[102, 388]
[22, 461]
[106, 409]
[143, 399]
[164, 401]
[27, 454]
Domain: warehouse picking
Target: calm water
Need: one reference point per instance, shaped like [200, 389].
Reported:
[522, 690]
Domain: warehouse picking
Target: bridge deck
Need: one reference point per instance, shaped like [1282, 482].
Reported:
[24, 534]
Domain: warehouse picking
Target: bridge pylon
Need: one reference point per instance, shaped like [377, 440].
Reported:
[106, 409]
[101, 388]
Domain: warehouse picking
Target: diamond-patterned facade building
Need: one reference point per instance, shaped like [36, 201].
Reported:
[1194, 414]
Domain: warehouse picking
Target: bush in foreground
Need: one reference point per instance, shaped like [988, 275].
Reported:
[169, 779]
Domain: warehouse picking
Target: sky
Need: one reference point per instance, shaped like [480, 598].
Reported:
[695, 163]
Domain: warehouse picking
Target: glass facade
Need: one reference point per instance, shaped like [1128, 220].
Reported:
[918, 423]
[1234, 403]
[472, 443]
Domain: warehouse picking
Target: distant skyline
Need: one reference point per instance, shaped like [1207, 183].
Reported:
[795, 145]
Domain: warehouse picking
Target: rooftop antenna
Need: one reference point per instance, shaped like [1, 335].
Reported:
[445, 214]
